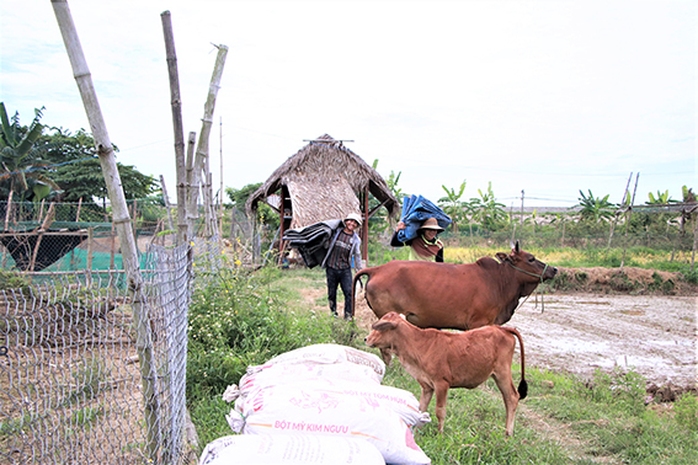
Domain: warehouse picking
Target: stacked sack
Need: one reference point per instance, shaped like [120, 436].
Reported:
[326, 391]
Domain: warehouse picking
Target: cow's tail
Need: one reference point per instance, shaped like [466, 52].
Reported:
[357, 279]
[523, 385]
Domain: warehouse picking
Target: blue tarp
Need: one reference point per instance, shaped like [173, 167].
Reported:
[415, 210]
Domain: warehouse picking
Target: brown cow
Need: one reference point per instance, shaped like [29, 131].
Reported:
[467, 296]
[441, 359]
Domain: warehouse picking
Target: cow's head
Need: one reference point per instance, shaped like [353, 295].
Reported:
[527, 264]
[382, 335]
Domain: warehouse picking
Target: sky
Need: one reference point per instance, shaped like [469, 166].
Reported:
[541, 99]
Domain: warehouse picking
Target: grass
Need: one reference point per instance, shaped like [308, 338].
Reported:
[244, 319]
[567, 257]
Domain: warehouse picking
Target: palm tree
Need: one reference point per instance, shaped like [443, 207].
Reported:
[22, 170]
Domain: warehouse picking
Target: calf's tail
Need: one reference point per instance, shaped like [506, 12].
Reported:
[523, 385]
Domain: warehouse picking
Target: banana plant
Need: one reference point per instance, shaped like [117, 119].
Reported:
[662, 198]
[21, 169]
[595, 209]
[487, 211]
[452, 204]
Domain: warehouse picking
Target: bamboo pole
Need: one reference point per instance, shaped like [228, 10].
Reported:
[183, 233]
[220, 197]
[90, 245]
[192, 213]
[7, 213]
[77, 215]
[41, 210]
[167, 202]
[201, 167]
[626, 194]
[35, 252]
[113, 249]
[694, 210]
[121, 220]
[628, 215]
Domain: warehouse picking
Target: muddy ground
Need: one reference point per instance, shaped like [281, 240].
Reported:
[579, 332]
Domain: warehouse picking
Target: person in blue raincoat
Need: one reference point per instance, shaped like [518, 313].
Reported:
[426, 246]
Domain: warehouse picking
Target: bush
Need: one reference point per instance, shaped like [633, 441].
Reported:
[240, 319]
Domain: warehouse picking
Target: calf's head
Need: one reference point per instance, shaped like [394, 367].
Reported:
[383, 335]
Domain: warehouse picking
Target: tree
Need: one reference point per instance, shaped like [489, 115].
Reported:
[595, 209]
[23, 171]
[487, 211]
[452, 204]
[380, 222]
[662, 198]
[76, 168]
[265, 214]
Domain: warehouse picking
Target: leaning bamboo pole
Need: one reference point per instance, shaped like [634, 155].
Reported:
[121, 220]
[201, 165]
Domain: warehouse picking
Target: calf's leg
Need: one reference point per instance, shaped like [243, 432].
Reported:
[425, 396]
[441, 396]
[510, 396]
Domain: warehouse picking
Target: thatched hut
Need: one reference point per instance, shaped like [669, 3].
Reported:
[324, 180]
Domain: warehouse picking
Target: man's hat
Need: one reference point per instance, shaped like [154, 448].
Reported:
[354, 216]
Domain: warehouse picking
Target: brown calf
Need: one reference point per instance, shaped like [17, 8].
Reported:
[439, 360]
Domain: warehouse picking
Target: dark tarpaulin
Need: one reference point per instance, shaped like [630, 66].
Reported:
[312, 241]
[415, 210]
[51, 249]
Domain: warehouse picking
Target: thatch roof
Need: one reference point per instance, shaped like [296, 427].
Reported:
[324, 179]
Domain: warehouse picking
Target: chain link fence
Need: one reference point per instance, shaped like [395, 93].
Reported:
[71, 384]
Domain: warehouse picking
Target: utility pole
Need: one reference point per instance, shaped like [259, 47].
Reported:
[522, 204]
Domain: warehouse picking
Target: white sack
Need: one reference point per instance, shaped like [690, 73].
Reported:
[327, 354]
[369, 412]
[289, 450]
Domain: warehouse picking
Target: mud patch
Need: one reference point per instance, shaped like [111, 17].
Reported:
[652, 335]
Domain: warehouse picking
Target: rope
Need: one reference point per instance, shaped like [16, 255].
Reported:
[540, 277]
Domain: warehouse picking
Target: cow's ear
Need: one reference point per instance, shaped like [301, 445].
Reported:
[501, 256]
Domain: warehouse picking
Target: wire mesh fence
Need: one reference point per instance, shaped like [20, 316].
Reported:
[71, 371]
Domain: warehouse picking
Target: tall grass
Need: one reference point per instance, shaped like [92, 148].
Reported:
[243, 319]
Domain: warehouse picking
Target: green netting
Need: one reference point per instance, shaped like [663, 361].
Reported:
[76, 260]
